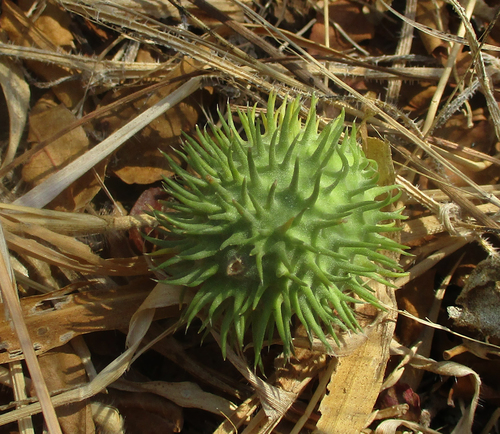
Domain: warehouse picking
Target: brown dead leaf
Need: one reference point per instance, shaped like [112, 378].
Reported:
[46, 120]
[140, 161]
[480, 137]
[479, 301]
[433, 14]
[56, 318]
[353, 21]
[415, 297]
[53, 22]
[22, 31]
[63, 369]
[419, 102]
[355, 384]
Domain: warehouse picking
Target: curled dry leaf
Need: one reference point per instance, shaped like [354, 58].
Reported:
[107, 418]
[480, 300]
[448, 369]
[17, 96]
[183, 393]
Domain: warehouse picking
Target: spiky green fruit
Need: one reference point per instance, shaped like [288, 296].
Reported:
[288, 221]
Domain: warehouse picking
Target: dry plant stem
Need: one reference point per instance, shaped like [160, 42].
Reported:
[480, 68]
[420, 196]
[318, 394]
[171, 349]
[326, 20]
[301, 32]
[19, 389]
[43, 193]
[456, 196]
[438, 196]
[83, 120]
[138, 327]
[396, 411]
[442, 143]
[432, 260]
[404, 47]
[348, 38]
[83, 351]
[11, 301]
[238, 418]
[490, 348]
[226, 58]
[67, 223]
[436, 33]
[474, 166]
[293, 67]
[455, 50]
[453, 192]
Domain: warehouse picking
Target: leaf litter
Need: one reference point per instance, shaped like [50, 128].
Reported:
[105, 88]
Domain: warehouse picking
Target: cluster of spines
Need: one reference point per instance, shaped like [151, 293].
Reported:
[224, 208]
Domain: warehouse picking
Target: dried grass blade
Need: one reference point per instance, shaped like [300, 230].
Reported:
[67, 223]
[11, 302]
[75, 311]
[43, 193]
[73, 254]
[372, 106]
[455, 50]
[302, 74]
[138, 328]
[482, 74]
[403, 48]
[225, 57]
[436, 33]
[17, 97]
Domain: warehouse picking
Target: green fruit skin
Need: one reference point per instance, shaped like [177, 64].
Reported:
[286, 222]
